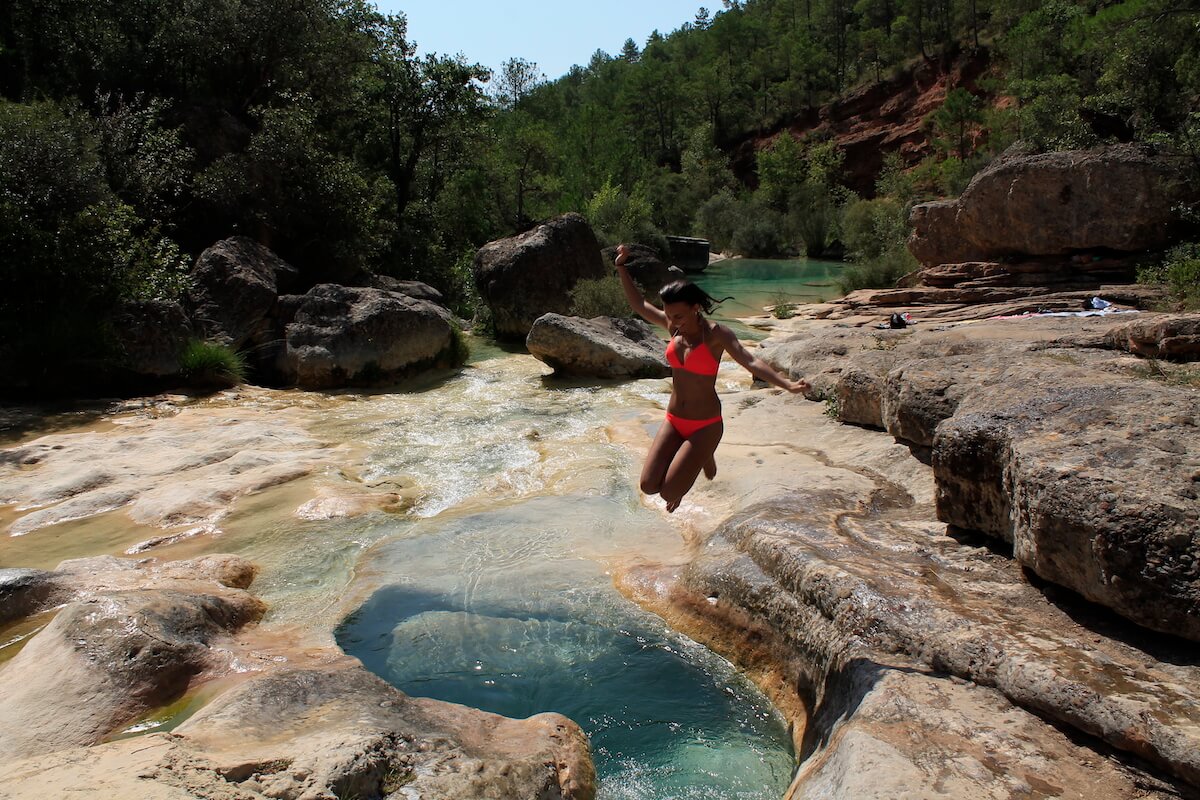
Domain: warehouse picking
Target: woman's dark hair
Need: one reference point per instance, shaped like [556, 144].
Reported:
[690, 293]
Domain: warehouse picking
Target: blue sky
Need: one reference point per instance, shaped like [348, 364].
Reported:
[555, 34]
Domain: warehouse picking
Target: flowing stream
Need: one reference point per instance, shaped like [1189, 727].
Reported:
[492, 585]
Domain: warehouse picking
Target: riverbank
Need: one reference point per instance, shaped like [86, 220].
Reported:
[823, 561]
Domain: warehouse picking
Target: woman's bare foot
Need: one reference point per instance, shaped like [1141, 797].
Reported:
[710, 468]
[672, 506]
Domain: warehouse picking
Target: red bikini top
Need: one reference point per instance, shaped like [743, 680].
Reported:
[699, 359]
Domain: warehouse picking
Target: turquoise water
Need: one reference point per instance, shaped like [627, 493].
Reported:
[519, 631]
[756, 283]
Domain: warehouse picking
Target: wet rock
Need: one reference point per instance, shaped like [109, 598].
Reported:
[525, 276]
[107, 659]
[301, 722]
[343, 729]
[237, 281]
[352, 336]
[185, 472]
[22, 592]
[916, 735]
[603, 347]
[1115, 198]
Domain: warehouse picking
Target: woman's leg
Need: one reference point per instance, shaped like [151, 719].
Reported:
[662, 451]
[691, 457]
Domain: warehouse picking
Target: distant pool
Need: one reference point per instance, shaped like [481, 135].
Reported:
[756, 283]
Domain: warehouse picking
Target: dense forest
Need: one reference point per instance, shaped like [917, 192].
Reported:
[133, 135]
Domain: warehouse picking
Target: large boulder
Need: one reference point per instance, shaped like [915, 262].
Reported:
[414, 289]
[236, 283]
[151, 336]
[647, 269]
[525, 276]
[358, 336]
[604, 347]
[1116, 198]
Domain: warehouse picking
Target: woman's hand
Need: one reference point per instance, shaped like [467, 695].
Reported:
[622, 255]
[798, 387]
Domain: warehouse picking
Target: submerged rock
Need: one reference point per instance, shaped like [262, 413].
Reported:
[525, 276]
[603, 347]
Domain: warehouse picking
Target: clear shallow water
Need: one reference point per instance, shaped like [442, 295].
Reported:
[495, 589]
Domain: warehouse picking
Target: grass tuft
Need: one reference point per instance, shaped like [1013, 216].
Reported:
[209, 364]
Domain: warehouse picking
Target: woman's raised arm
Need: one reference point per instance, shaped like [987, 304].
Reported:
[755, 365]
[637, 302]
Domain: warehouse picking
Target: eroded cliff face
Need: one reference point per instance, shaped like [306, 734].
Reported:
[945, 614]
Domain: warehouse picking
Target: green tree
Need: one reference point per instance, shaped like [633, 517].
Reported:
[958, 112]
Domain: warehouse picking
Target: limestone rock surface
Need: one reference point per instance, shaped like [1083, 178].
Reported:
[285, 721]
[1080, 463]
[354, 336]
[110, 656]
[1115, 198]
[603, 347]
[531, 274]
[926, 660]
[1173, 336]
[183, 472]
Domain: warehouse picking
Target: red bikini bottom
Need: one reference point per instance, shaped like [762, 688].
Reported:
[687, 427]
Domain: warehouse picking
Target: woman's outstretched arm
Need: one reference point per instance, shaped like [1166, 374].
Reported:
[755, 365]
[637, 302]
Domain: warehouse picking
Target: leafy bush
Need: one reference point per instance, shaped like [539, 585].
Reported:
[602, 297]
[881, 272]
[869, 227]
[209, 364]
[717, 219]
[760, 234]
[72, 250]
[619, 216]
[1180, 272]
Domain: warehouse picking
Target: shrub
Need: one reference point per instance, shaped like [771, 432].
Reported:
[72, 251]
[881, 272]
[870, 227]
[209, 364]
[602, 297]
[619, 216]
[1180, 272]
[717, 219]
[760, 234]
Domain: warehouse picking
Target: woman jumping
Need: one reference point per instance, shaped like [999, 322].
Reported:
[688, 439]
